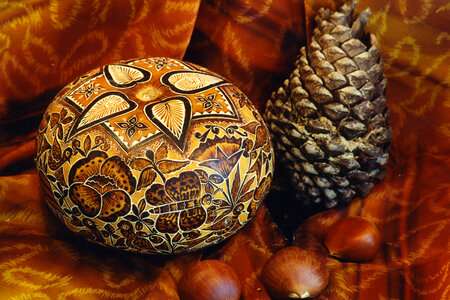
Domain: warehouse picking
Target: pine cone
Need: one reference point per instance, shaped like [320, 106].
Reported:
[329, 121]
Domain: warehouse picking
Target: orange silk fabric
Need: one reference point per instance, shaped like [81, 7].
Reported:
[46, 44]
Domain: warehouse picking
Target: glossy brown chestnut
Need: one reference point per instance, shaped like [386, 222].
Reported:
[354, 239]
[308, 241]
[209, 280]
[295, 273]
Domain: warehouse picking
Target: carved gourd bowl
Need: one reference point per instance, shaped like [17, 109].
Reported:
[155, 155]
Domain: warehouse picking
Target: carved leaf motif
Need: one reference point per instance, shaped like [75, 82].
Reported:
[66, 120]
[139, 226]
[141, 205]
[209, 188]
[161, 152]
[261, 137]
[236, 184]
[156, 239]
[60, 131]
[257, 166]
[217, 179]
[192, 81]
[177, 237]
[246, 197]
[54, 120]
[131, 218]
[140, 164]
[149, 221]
[262, 189]
[250, 127]
[171, 114]
[252, 207]
[87, 144]
[150, 155]
[202, 175]
[106, 106]
[45, 144]
[146, 178]
[247, 185]
[60, 176]
[56, 150]
[44, 122]
[135, 210]
[125, 76]
[109, 228]
[63, 113]
[168, 166]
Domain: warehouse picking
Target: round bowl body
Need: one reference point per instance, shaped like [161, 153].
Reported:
[154, 155]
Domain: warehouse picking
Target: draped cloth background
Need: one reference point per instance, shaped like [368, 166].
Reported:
[44, 44]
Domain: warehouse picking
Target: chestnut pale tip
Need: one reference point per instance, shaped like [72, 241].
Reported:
[296, 296]
[295, 273]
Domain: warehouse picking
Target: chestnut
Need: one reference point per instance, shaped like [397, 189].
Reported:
[209, 280]
[308, 241]
[295, 273]
[353, 239]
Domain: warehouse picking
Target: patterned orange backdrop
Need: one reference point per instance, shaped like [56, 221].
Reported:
[44, 44]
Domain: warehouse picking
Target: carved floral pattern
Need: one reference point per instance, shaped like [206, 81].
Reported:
[174, 174]
[101, 186]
